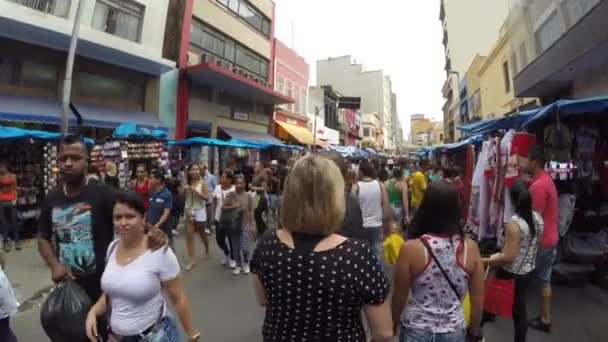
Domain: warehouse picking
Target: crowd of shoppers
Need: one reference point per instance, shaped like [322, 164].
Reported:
[320, 266]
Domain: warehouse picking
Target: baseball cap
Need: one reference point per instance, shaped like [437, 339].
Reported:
[274, 162]
[390, 162]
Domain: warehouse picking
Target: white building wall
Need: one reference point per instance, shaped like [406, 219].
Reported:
[151, 41]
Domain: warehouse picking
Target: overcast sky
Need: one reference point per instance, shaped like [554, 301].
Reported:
[401, 37]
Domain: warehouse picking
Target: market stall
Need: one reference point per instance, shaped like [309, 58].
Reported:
[574, 135]
[130, 146]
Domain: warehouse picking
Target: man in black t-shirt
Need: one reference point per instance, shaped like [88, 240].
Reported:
[78, 219]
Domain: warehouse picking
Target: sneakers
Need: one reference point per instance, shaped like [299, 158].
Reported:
[207, 231]
[246, 268]
[232, 263]
[538, 324]
[236, 271]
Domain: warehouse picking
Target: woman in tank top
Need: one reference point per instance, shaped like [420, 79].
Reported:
[397, 191]
[516, 260]
[434, 272]
[196, 194]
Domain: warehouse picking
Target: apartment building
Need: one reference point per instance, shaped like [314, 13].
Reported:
[561, 48]
[226, 55]
[463, 38]
[117, 69]
[373, 87]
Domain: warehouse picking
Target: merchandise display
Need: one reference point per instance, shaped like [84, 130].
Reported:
[26, 162]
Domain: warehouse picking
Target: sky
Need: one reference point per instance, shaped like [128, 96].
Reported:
[401, 37]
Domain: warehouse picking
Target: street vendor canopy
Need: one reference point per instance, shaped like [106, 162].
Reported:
[132, 130]
[515, 121]
[568, 109]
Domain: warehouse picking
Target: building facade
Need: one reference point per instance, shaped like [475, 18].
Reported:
[373, 134]
[422, 130]
[373, 87]
[291, 79]
[323, 114]
[463, 38]
[117, 70]
[226, 58]
[561, 50]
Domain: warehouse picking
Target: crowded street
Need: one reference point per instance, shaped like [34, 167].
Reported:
[226, 310]
[303, 171]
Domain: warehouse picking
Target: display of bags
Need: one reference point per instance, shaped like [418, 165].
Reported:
[64, 313]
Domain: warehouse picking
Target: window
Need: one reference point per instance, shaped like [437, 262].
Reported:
[121, 18]
[220, 45]
[91, 85]
[281, 85]
[303, 102]
[514, 69]
[549, 32]
[366, 132]
[290, 94]
[523, 55]
[249, 14]
[440, 136]
[296, 92]
[507, 77]
[38, 75]
[59, 8]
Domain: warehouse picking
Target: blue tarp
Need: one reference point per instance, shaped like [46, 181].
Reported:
[16, 133]
[132, 130]
[235, 143]
[589, 107]
[350, 151]
[513, 121]
[424, 152]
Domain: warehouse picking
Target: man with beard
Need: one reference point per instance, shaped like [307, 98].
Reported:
[79, 217]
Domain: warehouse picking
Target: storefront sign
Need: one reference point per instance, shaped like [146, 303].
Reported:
[240, 116]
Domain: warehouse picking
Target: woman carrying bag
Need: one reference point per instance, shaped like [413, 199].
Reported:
[133, 283]
[506, 291]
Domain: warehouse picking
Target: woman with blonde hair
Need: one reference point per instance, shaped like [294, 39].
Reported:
[313, 281]
[196, 194]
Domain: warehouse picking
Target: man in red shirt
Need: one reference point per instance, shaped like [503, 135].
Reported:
[546, 203]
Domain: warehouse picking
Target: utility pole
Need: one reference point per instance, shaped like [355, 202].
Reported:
[69, 67]
[314, 134]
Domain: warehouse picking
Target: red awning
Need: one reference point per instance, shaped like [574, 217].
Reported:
[220, 77]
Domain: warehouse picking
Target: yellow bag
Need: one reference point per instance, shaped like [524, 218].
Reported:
[392, 246]
[466, 307]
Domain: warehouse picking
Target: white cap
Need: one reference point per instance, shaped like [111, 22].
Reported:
[390, 162]
[274, 162]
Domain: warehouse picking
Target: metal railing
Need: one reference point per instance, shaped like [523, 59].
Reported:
[60, 8]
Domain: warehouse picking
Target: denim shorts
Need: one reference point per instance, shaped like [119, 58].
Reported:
[413, 335]
[167, 331]
[544, 265]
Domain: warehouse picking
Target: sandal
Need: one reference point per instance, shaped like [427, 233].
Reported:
[538, 324]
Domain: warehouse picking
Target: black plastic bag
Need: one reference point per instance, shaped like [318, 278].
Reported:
[64, 313]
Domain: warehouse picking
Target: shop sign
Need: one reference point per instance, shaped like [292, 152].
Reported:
[332, 135]
[292, 122]
[240, 116]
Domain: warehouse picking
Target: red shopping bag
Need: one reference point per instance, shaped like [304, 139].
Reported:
[499, 297]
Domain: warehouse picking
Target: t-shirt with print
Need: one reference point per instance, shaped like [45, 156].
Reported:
[81, 226]
[219, 195]
[419, 185]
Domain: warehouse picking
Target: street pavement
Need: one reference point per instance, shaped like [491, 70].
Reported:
[224, 307]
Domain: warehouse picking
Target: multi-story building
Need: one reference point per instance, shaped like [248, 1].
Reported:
[463, 38]
[471, 104]
[373, 134]
[226, 56]
[397, 128]
[291, 79]
[324, 114]
[373, 87]
[422, 130]
[560, 46]
[116, 75]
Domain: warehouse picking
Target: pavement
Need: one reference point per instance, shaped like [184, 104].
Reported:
[224, 307]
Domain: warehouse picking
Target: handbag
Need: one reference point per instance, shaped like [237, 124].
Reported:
[499, 294]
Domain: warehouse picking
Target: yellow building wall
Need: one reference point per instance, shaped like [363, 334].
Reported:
[420, 126]
[214, 14]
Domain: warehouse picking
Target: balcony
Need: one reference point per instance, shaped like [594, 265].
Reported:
[59, 8]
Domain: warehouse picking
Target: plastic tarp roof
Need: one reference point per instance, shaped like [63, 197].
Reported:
[474, 140]
[16, 133]
[350, 151]
[590, 107]
[132, 130]
[234, 143]
[507, 122]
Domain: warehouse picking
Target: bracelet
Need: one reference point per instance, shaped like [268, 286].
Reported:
[195, 337]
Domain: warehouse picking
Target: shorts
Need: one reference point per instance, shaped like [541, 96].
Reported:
[196, 215]
[544, 266]
[397, 212]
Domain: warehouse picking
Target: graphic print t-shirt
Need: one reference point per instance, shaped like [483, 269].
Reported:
[81, 226]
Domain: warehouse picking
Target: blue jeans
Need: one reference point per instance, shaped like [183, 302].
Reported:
[412, 335]
[544, 266]
[9, 224]
[167, 332]
[375, 237]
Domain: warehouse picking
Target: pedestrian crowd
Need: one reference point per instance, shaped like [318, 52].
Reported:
[320, 275]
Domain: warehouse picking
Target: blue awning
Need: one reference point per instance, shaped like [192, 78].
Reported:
[567, 109]
[132, 130]
[48, 111]
[515, 121]
[248, 136]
